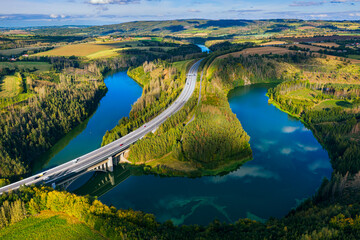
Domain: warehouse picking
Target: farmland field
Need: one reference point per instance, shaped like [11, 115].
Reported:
[49, 225]
[311, 47]
[273, 43]
[260, 51]
[326, 44]
[80, 50]
[41, 66]
[95, 50]
[16, 51]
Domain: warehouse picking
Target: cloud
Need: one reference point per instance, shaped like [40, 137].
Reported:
[265, 145]
[344, 1]
[306, 4]
[319, 15]
[244, 171]
[121, 2]
[289, 129]
[317, 3]
[307, 148]
[304, 129]
[286, 151]
[242, 11]
[194, 10]
[32, 16]
[54, 16]
[319, 164]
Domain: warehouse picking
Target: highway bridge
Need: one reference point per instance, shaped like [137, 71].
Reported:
[104, 158]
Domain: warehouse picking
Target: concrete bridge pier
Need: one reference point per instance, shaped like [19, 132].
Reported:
[122, 157]
[110, 164]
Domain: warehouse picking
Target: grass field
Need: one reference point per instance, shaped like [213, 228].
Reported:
[41, 66]
[16, 51]
[259, 50]
[303, 94]
[182, 65]
[9, 86]
[49, 225]
[355, 57]
[333, 103]
[9, 91]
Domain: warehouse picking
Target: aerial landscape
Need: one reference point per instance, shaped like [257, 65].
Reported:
[144, 119]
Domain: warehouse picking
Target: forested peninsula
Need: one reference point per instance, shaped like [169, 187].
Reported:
[203, 138]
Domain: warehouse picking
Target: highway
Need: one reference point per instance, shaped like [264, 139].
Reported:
[90, 159]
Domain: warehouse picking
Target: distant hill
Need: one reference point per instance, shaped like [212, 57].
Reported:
[210, 28]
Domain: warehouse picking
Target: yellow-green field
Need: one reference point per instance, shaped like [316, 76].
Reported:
[80, 50]
[93, 50]
[303, 94]
[332, 103]
[49, 225]
[41, 66]
[182, 65]
[9, 91]
[9, 86]
[309, 95]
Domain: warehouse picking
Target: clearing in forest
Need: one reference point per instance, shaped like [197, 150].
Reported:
[9, 86]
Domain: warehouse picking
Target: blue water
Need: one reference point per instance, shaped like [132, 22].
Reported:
[288, 167]
[203, 48]
[122, 93]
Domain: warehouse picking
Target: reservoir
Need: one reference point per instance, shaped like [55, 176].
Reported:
[288, 167]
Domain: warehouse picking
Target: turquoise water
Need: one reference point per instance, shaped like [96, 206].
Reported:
[288, 166]
[122, 93]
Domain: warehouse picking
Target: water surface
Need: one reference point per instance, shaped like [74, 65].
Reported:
[122, 93]
[203, 48]
[288, 166]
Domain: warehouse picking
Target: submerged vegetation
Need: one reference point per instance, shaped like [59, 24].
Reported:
[28, 210]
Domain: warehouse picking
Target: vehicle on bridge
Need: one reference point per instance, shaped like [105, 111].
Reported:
[40, 175]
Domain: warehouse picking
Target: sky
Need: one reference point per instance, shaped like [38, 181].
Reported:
[25, 13]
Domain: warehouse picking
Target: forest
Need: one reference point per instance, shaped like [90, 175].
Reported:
[56, 103]
[325, 97]
[202, 145]
[313, 219]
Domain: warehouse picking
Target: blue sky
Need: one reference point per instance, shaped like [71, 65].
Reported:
[18, 13]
